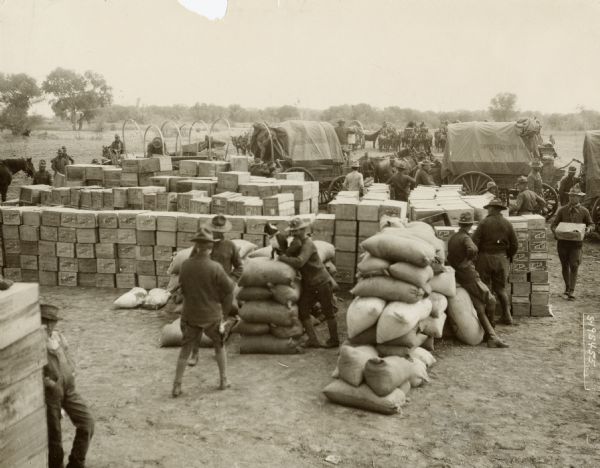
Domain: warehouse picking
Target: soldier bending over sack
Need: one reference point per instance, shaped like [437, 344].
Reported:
[462, 253]
[316, 283]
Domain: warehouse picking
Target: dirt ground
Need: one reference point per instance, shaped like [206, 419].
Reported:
[524, 406]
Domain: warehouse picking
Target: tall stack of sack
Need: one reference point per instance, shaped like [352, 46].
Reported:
[268, 296]
[398, 310]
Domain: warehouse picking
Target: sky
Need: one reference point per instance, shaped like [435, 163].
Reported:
[438, 55]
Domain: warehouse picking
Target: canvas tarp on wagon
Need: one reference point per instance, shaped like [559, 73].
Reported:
[488, 147]
[305, 143]
[591, 160]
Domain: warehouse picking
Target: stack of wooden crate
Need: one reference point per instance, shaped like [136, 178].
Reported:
[530, 288]
[23, 430]
[139, 171]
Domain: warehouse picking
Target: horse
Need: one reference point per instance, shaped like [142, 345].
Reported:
[9, 167]
[372, 136]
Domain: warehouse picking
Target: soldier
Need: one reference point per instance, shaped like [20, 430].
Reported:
[400, 183]
[569, 252]
[528, 202]
[492, 189]
[117, 148]
[534, 179]
[342, 133]
[423, 175]
[354, 180]
[60, 393]
[497, 243]
[226, 254]
[462, 253]
[316, 283]
[42, 176]
[60, 162]
[207, 297]
[566, 184]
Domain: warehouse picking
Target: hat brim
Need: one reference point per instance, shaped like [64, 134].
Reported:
[579, 194]
[494, 206]
[225, 228]
[202, 239]
[298, 228]
[465, 223]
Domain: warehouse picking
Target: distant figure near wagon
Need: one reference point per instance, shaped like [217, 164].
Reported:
[42, 176]
[156, 146]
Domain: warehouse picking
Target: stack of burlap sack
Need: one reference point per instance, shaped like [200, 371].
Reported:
[268, 308]
[171, 333]
[398, 310]
[325, 249]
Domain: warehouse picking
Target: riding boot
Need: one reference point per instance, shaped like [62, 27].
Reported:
[334, 340]
[313, 341]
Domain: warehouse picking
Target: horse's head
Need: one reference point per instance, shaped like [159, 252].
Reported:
[29, 168]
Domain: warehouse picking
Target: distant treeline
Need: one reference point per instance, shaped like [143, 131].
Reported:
[371, 117]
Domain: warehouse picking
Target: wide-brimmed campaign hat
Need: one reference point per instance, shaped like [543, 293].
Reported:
[576, 190]
[572, 169]
[220, 224]
[203, 234]
[400, 165]
[491, 184]
[522, 180]
[297, 223]
[465, 218]
[355, 164]
[49, 312]
[495, 202]
[341, 121]
[535, 163]
[426, 162]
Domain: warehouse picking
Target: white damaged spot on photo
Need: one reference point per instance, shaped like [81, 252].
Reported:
[211, 9]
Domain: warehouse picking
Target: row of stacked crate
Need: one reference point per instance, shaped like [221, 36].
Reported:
[425, 201]
[357, 220]
[23, 433]
[233, 193]
[126, 248]
[529, 286]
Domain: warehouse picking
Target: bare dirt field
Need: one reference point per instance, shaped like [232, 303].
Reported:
[521, 407]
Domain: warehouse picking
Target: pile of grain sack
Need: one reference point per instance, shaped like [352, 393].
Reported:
[400, 306]
[267, 295]
[268, 299]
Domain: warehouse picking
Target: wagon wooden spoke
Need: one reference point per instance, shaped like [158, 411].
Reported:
[474, 183]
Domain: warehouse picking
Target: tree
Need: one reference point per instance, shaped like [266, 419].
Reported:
[503, 107]
[17, 93]
[77, 97]
[287, 113]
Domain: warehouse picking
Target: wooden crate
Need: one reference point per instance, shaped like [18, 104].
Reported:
[125, 280]
[19, 312]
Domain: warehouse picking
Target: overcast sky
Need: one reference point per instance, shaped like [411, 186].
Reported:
[424, 54]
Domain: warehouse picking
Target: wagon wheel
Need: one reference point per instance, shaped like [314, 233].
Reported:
[336, 186]
[307, 174]
[551, 198]
[474, 183]
[596, 212]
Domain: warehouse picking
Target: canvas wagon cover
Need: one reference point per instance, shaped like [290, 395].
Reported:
[591, 159]
[308, 141]
[489, 147]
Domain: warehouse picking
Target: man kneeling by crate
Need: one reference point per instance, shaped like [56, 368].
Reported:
[59, 384]
[316, 283]
[462, 252]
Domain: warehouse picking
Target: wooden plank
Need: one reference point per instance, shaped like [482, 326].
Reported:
[22, 357]
[21, 399]
[19, 312]
[25, 443]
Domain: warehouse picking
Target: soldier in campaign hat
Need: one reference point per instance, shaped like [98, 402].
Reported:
[496, 242]
[203, 307]
[462, 253]
[316, 283]
[534, 179]
[60, 394]
[354, 180]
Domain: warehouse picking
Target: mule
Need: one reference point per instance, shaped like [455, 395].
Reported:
[9, 167]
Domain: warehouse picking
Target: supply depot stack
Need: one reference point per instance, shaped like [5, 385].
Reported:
[23, 433]
[530, 288]
[268, 298]
[399, 309]
[357, 220]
